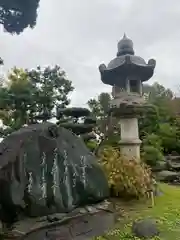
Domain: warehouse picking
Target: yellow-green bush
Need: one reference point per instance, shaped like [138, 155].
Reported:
[127, 177]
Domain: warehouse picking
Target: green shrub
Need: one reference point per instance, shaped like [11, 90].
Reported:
[127, 177]
[91, 145]
[153, 140]
[151, 155]
[169, 136]
[112, 141]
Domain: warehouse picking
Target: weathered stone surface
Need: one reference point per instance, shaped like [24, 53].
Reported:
[173, 163]
[77, 225]
[167, 176]
[145, 229]
[49, 170]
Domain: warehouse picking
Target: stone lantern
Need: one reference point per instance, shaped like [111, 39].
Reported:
[125, 74]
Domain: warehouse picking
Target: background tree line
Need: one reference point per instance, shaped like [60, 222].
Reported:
[40, 95]
[30, 96]
[159, 131]
[37, 95]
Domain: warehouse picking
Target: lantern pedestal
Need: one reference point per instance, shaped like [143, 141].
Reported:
[130, 142]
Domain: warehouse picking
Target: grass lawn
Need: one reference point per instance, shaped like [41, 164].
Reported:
[166, 211]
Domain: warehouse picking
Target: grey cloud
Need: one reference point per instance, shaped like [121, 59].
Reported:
[79, 35]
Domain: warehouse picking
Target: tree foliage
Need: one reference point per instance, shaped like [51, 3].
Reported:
[51, 90]
[100, 109]
[156, 91]
[16, 15]
[107, 127]
[16, 99]
[161, 123]
[32, 95]
[81, 122]
[100, 106]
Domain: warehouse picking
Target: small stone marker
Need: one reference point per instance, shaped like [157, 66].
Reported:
[145, 229]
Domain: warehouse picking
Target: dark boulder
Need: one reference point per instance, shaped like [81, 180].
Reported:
[145, 229]
[49, 170]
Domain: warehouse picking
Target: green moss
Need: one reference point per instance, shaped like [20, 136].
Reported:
[166, 211]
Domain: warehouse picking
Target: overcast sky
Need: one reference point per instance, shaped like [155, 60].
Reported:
[79, 35]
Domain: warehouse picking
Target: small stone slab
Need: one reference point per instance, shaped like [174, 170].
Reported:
[145, 229]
